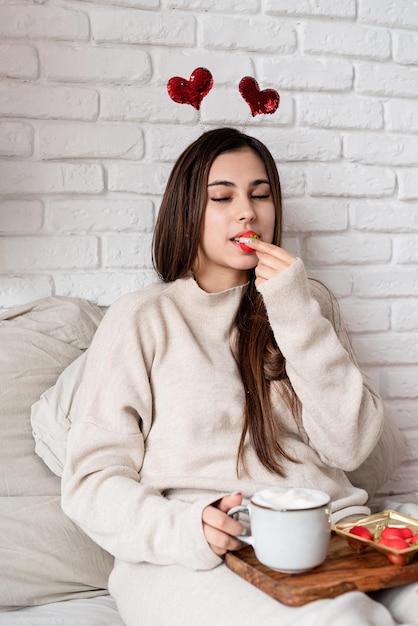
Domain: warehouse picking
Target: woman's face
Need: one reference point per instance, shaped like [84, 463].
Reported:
[239, 199]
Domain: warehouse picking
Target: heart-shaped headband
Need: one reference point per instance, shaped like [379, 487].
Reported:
[193, 91]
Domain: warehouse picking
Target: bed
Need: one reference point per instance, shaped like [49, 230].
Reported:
[51, 573]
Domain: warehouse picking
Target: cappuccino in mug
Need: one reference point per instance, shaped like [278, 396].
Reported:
[290, 528]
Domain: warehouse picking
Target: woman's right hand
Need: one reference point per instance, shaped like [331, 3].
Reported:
[271, 259]
[221, 530]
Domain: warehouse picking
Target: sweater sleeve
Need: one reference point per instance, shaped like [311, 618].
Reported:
[102, 489]
[341, 415]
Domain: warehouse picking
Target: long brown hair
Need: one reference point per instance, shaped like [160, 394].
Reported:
[175, 245]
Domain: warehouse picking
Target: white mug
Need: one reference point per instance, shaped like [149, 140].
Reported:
[290, 528]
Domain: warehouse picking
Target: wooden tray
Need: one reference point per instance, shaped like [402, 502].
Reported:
[343, 570]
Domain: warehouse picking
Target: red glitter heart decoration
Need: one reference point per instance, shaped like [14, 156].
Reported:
[260, 102]
[191, 91]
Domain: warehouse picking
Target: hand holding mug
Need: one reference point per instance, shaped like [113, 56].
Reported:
[220, 529]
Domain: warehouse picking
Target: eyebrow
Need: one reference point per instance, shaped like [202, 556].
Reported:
[228, 183]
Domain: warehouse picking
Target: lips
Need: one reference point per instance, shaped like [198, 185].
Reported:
[245, 233]
[249, 234]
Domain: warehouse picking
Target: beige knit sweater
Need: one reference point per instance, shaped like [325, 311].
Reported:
[157, 434]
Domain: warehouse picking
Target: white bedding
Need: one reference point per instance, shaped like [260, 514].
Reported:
[99, 611]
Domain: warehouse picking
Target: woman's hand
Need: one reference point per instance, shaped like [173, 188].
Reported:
[271, 259]
[221, 530]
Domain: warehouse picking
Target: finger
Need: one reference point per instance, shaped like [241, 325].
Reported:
[273, 262]
[262, 248]
[220, 530]
[227, 502]
[264, 272]
[268, 268]
[221, 542]
[219, 520]
[276, 254]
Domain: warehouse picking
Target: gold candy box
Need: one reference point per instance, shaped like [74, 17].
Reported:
[376, 523]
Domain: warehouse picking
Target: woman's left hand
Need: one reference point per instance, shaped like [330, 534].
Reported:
[271, 259]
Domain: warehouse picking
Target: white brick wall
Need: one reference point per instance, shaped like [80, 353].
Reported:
[88, 136]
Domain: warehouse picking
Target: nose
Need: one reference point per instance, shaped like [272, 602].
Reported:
[245, 212]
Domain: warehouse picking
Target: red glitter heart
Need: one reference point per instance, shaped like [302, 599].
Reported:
[191, 91]
[260, 102]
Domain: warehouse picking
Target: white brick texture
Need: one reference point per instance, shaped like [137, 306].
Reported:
[27, 21]
[84, 64]
[401, 13]
[16, 139]
[97, 141]
[325, 8]
[38, 178]
[143, 27]
[40, 101]
[18, 61]
[88, 136]
[346, 40]
[256, 34]
[340, 111]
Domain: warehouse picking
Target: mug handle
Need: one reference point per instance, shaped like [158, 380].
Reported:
[248, 539]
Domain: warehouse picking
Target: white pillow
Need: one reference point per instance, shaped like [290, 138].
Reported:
[51, 415]
[44, 556]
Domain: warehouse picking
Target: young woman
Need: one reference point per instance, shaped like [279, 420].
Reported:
[232, 373]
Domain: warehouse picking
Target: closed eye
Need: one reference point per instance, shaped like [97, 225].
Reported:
[254, 197]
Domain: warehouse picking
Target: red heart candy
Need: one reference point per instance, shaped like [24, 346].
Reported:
[266, 101]
[191, 91]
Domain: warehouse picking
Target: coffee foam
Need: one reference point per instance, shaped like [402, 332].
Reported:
[290, 499]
